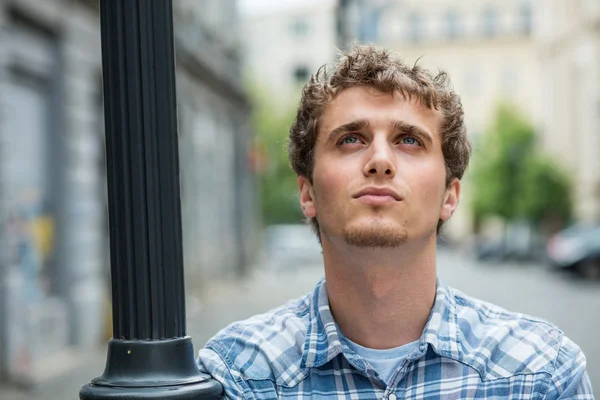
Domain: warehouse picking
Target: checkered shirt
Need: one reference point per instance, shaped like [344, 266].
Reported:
[469, 349]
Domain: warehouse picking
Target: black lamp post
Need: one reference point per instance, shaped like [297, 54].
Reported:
[149, 356]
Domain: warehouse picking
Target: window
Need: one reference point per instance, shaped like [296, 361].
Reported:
[526, 17]
[490, 21]
[300, 27]
[415, 27]
[301, 74]
[452, 26]
[369, 24]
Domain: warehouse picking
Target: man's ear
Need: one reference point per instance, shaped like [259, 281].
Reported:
[306, 197]
[451, 198]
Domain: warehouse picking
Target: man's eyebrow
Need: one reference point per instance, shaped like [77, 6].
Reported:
[412, 129]
[355, 125]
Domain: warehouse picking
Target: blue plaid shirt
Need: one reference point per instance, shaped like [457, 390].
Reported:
[469, 349]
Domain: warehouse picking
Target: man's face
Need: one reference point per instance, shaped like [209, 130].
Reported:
[379, 176]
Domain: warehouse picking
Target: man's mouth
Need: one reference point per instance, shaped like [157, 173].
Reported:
[378, 196]
[378, 192]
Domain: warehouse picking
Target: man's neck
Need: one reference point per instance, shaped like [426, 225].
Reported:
[381, 298]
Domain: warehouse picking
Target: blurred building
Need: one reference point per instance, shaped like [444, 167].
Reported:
[285, 42]
[54, 265]
[215, 136]
[568, 34]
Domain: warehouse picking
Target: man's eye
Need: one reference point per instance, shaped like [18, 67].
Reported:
[349, 140]
[411, 141]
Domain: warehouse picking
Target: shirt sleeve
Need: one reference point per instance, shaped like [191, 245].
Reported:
[570, 379]
[211, 363]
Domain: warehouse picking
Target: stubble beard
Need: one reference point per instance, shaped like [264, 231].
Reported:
[376, 235]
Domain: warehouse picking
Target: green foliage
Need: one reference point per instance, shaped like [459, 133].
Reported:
[278, 181]
[546, 191]
[512, 179]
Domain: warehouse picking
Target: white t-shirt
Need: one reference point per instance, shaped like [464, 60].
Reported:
[387, 361]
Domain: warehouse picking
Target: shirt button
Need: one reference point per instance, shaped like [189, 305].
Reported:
[392, 396]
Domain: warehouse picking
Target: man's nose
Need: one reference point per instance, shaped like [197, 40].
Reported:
[381, 161]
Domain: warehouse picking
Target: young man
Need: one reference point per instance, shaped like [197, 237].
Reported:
[379, 148]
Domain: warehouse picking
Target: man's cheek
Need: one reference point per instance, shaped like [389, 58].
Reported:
[327, 191]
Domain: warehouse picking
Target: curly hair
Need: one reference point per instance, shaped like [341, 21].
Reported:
[369, 66]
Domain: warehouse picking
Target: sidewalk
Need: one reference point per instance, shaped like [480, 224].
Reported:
[67, 385]
[220, 303]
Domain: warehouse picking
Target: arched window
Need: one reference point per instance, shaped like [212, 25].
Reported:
[301, 74]
[300, 27]
[415, 27]
[452, 25]
[490, 22]
[526, 17]
[369, 26]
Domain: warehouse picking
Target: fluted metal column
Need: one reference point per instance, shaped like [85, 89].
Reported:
[149, 356]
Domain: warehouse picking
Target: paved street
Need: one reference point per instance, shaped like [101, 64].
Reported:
[571, 304]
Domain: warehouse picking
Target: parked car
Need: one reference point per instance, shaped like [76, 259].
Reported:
[520, 242]
[576, 249]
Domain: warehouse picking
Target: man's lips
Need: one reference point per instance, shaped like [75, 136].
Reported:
[378, 195]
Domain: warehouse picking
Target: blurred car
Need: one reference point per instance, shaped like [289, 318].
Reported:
[576, 249]
[520, 242]
[291, 245]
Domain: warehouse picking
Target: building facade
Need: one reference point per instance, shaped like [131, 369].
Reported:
[219, 203]
[54, 265]
[568, 38]
[285, 45]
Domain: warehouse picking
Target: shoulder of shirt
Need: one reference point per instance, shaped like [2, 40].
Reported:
[267, 346]
[499, 343]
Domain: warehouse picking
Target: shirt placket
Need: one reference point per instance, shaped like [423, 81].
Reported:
[393, 391]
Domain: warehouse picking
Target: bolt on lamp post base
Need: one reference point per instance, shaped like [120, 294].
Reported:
[151, 369]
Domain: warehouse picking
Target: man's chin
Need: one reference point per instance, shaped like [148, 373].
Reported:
[376, 235]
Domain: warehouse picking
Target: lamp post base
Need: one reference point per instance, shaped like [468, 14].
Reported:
[210, 389]
[151, 369]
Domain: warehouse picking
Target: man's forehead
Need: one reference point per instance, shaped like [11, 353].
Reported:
[359, 103]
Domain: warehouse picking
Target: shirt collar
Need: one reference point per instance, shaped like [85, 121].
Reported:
[324, 340]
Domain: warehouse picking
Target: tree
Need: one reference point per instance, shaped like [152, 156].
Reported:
[512, 179]
[546, 195]
[278, 181]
